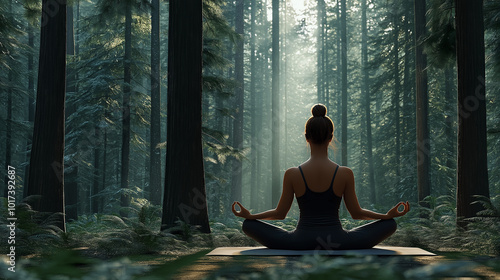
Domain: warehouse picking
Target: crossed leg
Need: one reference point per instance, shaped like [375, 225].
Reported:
[363, 237]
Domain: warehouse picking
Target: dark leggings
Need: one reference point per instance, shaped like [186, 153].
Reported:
[331, 238]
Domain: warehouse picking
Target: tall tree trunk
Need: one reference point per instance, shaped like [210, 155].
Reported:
[31, 100]
[319, 47]
[264, 107]
[253, 108]
[406, 74]
[366, 93]
[155, 132]
[338, 73]
[423, 141]
[185, 195]
[397, 88]
[46, 177]
[70, 34]
[472, 167]
[71, 182]
[94, 200]
[343, 32]
[220, 168]
[104, 159]
[8, 134]
[450, 93]
[239, 101]
[276, 174]
[127, 78]
[325, 62]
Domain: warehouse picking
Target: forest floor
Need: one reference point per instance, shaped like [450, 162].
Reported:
[193, 263]
[240, 267]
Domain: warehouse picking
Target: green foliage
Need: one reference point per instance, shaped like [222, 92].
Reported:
[69, 264]
[36, 232]
[435, 228]
[9, 34]
[440, 41]
[492, 34]
[168, 270]
[183, 229]
[111, 235]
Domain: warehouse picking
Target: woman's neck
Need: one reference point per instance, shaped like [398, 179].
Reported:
[319, 151]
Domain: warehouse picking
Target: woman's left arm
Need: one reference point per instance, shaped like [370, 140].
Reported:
[279, 213]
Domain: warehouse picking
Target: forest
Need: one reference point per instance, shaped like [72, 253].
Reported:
[129, 127]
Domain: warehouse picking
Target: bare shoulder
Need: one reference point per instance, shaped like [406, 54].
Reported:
[292, 174]
[346, 170]
[292, 171]
[346, 175]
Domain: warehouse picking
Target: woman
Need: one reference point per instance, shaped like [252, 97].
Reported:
[319, 185]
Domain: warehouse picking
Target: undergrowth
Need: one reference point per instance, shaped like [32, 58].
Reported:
[48, 251]
[435, 228]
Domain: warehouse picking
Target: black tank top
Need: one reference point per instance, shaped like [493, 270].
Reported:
[318, 209]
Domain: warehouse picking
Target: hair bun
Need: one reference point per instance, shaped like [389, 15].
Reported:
[318, 110]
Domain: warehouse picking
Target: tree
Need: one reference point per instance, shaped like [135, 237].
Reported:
[46, 174]
[239, 102]
[276, 175]
[472, 168]
[8, 138]
[253, 108]
[155, 132]
[397, 86]
[423, 145]
[127, 78]
[185, 195]
[343, 39]
[320, 42]
[367, 100]
[31, 99]
[71, 167]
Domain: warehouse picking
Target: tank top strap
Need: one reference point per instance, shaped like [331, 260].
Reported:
[333, 179]
[302, 173]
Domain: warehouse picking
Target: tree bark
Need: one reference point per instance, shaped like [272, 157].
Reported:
[70, 34]
[71, 181]
[46, 176]
[185, 195]
[472, 167]
[155, 131]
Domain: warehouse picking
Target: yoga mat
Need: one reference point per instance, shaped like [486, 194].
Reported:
[264, 251]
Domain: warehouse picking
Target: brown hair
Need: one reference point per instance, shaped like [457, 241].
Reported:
[319, 127]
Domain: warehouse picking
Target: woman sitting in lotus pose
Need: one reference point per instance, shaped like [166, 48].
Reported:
[319, 185]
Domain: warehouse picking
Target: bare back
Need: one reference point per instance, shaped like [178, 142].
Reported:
[318, 175]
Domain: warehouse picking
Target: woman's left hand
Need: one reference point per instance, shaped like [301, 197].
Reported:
[244, 213]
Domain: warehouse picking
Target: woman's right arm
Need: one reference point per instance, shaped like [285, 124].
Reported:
[358, 213]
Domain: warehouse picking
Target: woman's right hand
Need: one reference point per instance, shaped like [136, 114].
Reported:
[394, 212]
